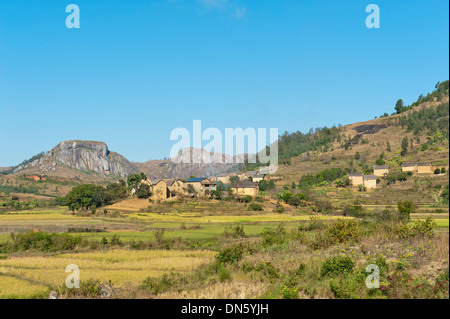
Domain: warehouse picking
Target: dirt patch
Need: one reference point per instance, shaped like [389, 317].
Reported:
[370, 128]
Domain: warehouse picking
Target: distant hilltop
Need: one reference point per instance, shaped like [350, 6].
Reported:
[77, 158]
[84, 156]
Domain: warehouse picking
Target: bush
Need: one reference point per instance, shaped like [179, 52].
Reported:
[143, 191]
[354, 211]
[91, 288]
[230, 255]
[255, 207]
[344, 230]
[274, 235]
[223, 273]
[294, 201]
[423, 228]
[437, 171]
[246, 199]
[336, 266]
[405, 209]
[157, 286]
[42, 241]
[289, 293]
[235, 231]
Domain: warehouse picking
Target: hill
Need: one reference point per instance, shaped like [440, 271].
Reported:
[71, 159]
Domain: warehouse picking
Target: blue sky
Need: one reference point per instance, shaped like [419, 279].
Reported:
[137, 69]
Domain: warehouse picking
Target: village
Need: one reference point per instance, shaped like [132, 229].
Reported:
[247, 183]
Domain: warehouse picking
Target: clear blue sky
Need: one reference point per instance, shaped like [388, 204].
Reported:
[137, 69]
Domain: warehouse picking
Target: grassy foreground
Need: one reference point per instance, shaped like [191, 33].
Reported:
[233, 253]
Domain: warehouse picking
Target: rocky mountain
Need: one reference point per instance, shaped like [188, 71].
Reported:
[200, 163]
[83, 156]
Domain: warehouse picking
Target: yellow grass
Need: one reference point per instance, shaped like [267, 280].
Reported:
[42, 216]
[122, 267]
[232, 219]
[11, 287]
[134, 205]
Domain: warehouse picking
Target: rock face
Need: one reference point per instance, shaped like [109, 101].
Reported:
[200, 163]
[86, 156]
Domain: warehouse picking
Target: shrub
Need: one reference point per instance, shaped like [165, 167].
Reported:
[289, 293]
[157, 286]
[115, 240]
[143, 191]
[274, 235]
[405, 209]
[246, 199]
[230, 255]
[336, 266]
[294, 201]
[235, 231]
[343, 231]
[91, 288]
[437, 171]
[42, 241]
[223, 273]
[354, 211]
[255, 207]
[423, 228]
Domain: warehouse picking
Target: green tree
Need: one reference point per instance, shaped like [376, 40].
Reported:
[143, 191]
[404, 146]
[234, 180]
[87, 196]
[388, 146]
[216, 194]
[405, 209]
[134, 180]
[399, 106]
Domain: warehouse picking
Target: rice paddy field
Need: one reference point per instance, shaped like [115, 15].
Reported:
[33, 274]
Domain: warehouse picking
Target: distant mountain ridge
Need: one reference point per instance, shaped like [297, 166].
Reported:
[75, 158]
[84, 156]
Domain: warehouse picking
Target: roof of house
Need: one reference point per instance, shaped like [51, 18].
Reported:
[381, 167]
[369, 177]
[207, 181]
[223, 175]
[153, 179]
[259, 176]
[355, 174]
[408, 164]
[251, 173]
[169, 182]
[245, 184]
[195, 180]
[424, 164]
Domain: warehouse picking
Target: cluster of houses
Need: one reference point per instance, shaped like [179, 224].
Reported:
[246, 184]
[370, 181]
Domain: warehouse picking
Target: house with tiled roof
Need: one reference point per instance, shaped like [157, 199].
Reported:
[246, 188]
[356, 179]
[425, 168]
[381, 170]
[370, 181]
